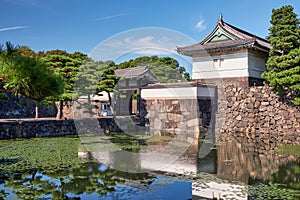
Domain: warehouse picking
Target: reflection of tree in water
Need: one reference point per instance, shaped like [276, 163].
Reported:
[69, 184]
[90, 178]
[51, 167]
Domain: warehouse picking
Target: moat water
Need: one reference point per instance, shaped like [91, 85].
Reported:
[30, 171]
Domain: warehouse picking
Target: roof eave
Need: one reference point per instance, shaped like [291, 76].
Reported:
[252, 45]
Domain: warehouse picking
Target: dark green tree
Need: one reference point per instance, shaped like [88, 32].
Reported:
[87, 80]
[28, 76]
[165, 69]
[283, 64]
[67, 65]
[89, 75]
[107, 81]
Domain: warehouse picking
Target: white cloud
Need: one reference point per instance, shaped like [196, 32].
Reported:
[12, 28]
[147, 41]
[144, 45]
[111, 16]
[200, 26]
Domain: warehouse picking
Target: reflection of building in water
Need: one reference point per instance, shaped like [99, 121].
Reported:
[246, 162]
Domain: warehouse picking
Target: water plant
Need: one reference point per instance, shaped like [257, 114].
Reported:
[272, 191]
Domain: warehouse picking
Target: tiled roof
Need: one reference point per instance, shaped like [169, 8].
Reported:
[131, 72]
[239, 39]
[192, 83]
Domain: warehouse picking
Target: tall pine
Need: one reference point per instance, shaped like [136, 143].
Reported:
[67, 65]
[108, 81]
[283, 64]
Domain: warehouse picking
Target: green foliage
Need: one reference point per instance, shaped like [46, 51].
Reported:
[3, 194]
[89, 75]
[22, 102]
[28, 76]
[283, 64]
[3, 96]
[67, 65]
[108, 80]
[46, 102]
[166, 69]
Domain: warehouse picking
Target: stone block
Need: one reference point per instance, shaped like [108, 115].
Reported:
[193, 122]
[262, 109]
[256, 104]
[162, 115]
[157, 124]
[182, 125]
[265, 103]
[239, 118]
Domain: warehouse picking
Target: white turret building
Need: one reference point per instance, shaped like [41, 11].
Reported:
[228, 53]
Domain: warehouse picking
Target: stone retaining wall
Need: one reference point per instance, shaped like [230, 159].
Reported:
[20, 107]
[184, 118]
[11, 129]
[262, 115]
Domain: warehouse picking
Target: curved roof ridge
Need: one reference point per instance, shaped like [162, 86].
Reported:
[243, 32]
[236, 38]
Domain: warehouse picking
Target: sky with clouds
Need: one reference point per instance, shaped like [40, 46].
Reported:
[116, 25]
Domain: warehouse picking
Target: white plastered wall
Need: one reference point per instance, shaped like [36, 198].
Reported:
[233, 64]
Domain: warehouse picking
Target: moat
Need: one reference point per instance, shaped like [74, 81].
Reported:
[61, 168]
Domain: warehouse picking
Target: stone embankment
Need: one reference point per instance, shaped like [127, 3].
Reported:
[262, 116]
[19, 107]
[10, 129]
[185, 118]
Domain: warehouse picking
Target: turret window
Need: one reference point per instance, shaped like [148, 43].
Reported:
[218, 62]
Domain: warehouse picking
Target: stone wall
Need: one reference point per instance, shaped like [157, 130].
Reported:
[10, 129]
[20, 107]
[262, 115]
[183, 118]
[220, 103]
[32, 128]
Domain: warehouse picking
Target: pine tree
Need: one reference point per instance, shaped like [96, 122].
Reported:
[108, 81]
[29, 76]
[283, 64]
[67, 65]
[165, 69]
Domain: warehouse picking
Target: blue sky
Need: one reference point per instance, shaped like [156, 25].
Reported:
[76, 25]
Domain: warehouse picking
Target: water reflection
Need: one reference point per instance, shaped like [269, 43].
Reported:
[242, 162]
[92, 181]
[233, 161]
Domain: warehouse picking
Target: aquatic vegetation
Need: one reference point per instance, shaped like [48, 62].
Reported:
[50, 168]
[272, 191]
[39, 154]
